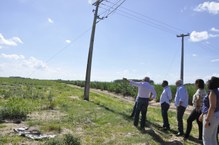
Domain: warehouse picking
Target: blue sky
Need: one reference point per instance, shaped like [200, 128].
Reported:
[49, 39]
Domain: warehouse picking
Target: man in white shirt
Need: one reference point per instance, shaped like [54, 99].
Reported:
[181, 102]
[144, 92]
[165, 98]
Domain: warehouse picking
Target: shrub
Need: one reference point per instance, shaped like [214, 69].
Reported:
[69, 139]
[14, 108]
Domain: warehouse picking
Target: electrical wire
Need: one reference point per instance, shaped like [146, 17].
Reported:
[62, 49]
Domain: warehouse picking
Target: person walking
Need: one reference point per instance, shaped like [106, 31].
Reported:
[197, 105]
[144, 91]
[181, 102]
[210, 113]
[165, 98]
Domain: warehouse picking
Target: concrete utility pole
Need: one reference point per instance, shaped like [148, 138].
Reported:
[182, 55]
[90, 53]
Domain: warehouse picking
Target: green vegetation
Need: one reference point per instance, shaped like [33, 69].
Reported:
[122, 87]
[57, 108]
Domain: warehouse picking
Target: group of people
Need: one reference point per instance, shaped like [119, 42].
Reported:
[205, 107]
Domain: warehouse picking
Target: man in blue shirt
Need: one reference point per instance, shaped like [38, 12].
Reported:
[181, 102]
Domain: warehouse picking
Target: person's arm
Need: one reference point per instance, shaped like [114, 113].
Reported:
[169, 93]
[212, 107]
[200, 117]
[133, 83]
[181, 95]
[198, 103]
[153, 92]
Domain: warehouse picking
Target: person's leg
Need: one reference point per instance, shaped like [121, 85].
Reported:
[144, 112]
[190, 119]
[134, 110]
[210, 133]
[199, 126]
[137, 113]
[164, 109]
[180, 113]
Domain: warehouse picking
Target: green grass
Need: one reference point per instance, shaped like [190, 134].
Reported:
[102, 120]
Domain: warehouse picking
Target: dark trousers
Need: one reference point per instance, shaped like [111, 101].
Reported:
[164, 111]
[134, 110]
[142, 105]
[194, 116]
[180, 113]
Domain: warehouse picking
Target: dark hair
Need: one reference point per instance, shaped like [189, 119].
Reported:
[200, 83]
[213, 83]
[165, 83]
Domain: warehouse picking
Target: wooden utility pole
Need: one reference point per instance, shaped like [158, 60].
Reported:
[90, 53]
[182, 55]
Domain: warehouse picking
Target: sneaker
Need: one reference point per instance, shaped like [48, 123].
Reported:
[179, 134]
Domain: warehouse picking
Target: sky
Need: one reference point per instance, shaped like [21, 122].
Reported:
[49, 39]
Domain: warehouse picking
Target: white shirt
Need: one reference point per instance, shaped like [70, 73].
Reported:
[144, 89]
[166, 95]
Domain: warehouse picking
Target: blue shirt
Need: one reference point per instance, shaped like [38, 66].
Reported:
[166, 95]
[206, 103]
[181, 96]
[144, 89]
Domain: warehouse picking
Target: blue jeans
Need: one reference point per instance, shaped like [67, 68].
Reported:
[210, 134]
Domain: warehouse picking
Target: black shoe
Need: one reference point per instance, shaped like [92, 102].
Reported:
[179, 134]
[185, 137]
[166, 128]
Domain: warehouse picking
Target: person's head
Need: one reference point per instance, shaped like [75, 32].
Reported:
[200, 84]
[146, 79]
[164, 83]
[179, 83]
[213, 83]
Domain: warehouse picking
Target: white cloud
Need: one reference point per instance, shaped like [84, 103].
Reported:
[194, 55]
[215, 60]
[68, 41]
[30, 62]
[50, 20]
[31, 67]
[214, 30]
[0, 47]
[213, 35]
[199, 36]
[91, 1]
[11, 56]
[14, 41]
[211, 7]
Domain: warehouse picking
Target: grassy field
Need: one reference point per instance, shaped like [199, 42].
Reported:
[57, 108]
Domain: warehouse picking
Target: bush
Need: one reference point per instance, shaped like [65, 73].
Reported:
[69, 139]
[14, 108]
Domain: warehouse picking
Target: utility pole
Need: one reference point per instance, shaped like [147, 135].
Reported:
[90, 53]
[182, 55]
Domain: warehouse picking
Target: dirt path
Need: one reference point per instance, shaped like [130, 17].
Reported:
[130, 99]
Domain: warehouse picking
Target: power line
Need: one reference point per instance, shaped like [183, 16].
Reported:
[144, 21]
[129, 11]
[62, 49]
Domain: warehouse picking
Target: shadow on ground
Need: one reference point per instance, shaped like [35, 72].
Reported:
[153, 129]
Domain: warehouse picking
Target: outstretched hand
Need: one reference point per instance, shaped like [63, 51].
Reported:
[125, 79]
